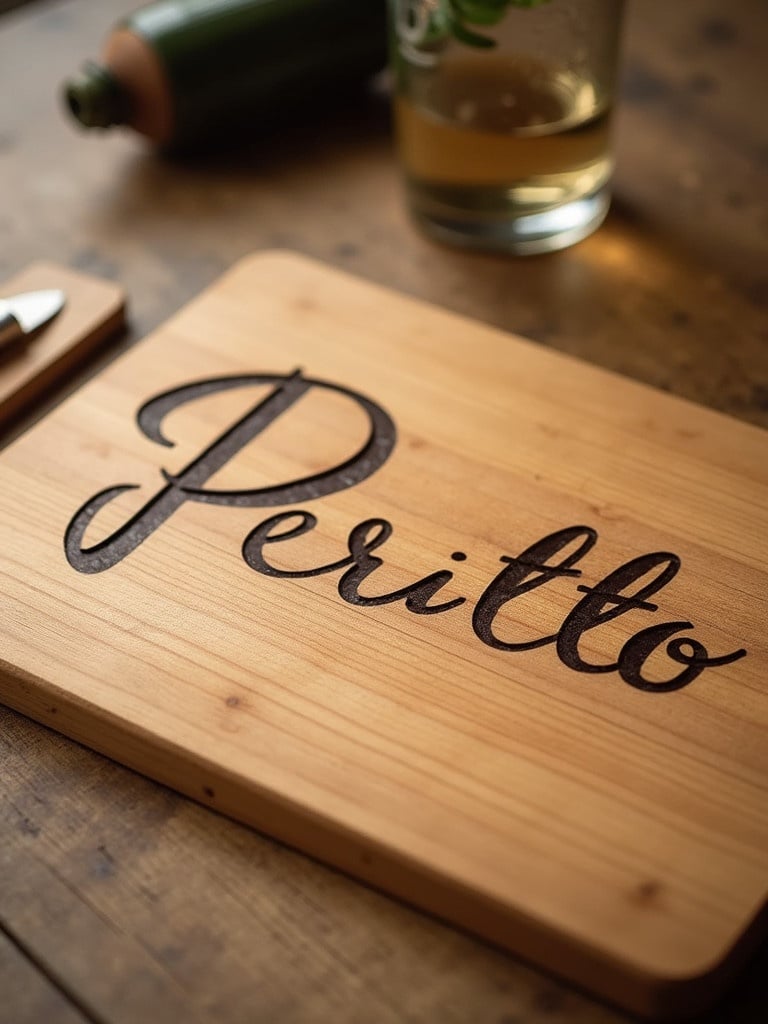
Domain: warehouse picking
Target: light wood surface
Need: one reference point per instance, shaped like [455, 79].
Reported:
[94, 310]
[547, 797]
[183, 903]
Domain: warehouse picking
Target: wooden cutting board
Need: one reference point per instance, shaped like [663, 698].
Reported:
[94, 310]
[471, 620]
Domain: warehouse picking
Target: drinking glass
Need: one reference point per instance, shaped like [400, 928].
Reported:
[503, 117]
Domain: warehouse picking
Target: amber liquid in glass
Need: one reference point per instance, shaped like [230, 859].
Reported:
[501, 136]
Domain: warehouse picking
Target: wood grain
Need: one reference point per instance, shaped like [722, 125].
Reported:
[672, 291]
[94, 310]
[28, 997]
[244, 915]
[387, 743]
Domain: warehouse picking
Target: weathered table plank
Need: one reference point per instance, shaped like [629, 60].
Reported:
[218, 921]
[26, 995]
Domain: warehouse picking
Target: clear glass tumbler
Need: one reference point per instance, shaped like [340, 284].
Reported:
[503, 117]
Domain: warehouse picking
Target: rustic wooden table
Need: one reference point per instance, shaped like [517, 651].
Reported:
[121, 902]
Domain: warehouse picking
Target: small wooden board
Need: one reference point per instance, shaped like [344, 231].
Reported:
[473, 621]
[94, 310]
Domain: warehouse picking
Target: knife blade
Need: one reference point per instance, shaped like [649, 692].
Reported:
[23, 314]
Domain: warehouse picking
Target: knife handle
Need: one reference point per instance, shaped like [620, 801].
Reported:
[10, 332]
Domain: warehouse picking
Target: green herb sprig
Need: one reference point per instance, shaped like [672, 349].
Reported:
[459, 17]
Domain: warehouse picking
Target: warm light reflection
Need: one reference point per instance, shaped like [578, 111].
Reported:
[621, 250]
[612, 250]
